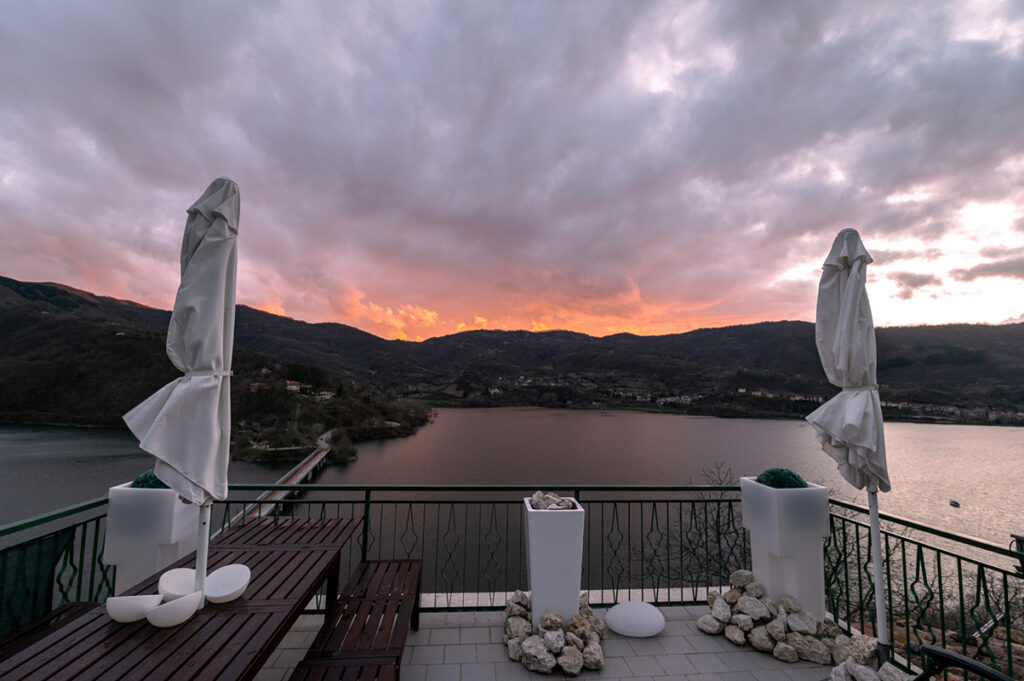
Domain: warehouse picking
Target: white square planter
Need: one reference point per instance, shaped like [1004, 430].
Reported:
[554, 556]
[787, 528]
[147, 530]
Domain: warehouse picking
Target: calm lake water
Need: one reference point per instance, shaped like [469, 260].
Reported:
[981, 467]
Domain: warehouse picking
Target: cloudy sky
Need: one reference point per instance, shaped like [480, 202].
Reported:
[418, 168]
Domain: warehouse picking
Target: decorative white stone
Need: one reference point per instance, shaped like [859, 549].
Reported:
[635, 618]
[841, 649]
[721, 610]
[515, 649]
[713, 595]
[761, 640]
[802, 623]
[735, 634]
[572, 639]
[593, 656]
[785, 652]
[732, 595]
[864, 650]
[839, 673]
[515, 610]
[554, 641]
[710, 625]
[571, 660]
[809, 648]
[536, 656]
[520, 597]
[777, 627]
[744, 622]
[579, 625]
[861, 672]
[753, 607]
[552, 621]
[517, 627]
[741, 578]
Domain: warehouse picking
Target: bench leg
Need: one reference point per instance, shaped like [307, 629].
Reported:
[416, 602]
[333, 585]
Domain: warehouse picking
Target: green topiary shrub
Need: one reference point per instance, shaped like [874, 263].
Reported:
[148, 480]
[781, 478]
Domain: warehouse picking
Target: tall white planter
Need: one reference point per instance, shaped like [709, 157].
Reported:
[554, 556]
[147, 530]
[787, 531]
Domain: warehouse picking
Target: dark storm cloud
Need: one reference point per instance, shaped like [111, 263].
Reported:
[599, 161]
[910, 282]
[1012, 268]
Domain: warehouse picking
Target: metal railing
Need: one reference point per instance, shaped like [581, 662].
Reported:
[945, 589]
[50, 560]
[665, 545]
[660, 544]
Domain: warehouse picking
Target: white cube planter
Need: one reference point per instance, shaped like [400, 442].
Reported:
[554, 557]
[787, 528]
[147, 530]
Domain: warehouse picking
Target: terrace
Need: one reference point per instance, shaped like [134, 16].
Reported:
[664, 545]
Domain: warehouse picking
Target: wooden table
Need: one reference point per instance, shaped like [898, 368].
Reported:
[290, 560]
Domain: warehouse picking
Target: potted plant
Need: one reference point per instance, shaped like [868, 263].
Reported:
[148, 528]
[788, 521]
[554, 554]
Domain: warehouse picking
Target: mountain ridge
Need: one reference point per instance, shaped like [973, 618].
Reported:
[757, 369]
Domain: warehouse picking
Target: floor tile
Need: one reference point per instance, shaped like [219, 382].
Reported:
[491, 652]
[646, 646]
[443, 672]
[707, 662]
[741, 661]
[427, 655]
[444, 636]
[474, 635]
[460, 653]
[644, 665]
[478, 672]
[676, 664]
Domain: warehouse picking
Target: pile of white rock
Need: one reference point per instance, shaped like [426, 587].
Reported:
[546, 501]
[744, 614]
[571, 646]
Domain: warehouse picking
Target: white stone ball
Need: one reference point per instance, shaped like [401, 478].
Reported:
[635, 619]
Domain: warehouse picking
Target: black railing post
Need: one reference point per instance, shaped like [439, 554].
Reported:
[366, 523]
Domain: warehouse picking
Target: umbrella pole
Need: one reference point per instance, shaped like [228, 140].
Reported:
[881, 630]
[202, 551]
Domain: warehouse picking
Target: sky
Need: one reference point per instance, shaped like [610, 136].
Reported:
[419, 168]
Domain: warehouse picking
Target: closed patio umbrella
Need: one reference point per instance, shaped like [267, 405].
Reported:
[186, 424]
[849, 426]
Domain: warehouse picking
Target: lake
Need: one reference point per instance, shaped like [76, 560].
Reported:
[980, 466]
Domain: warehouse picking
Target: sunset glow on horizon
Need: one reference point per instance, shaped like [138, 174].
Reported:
[421, 169]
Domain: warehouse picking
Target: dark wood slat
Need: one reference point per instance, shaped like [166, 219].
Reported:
[222, 641]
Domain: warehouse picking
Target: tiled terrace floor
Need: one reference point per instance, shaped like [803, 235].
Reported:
[467, 646]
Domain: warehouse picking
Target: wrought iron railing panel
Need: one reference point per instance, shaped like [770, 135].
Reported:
[666, 545]
[943, 589]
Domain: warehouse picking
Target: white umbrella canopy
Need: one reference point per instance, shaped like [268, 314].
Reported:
[186, 424]
[849, 426]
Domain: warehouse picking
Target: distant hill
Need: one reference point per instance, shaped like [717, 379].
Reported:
[77, 357]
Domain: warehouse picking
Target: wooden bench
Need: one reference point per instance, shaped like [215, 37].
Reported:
[363, 636]
[939, 659]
